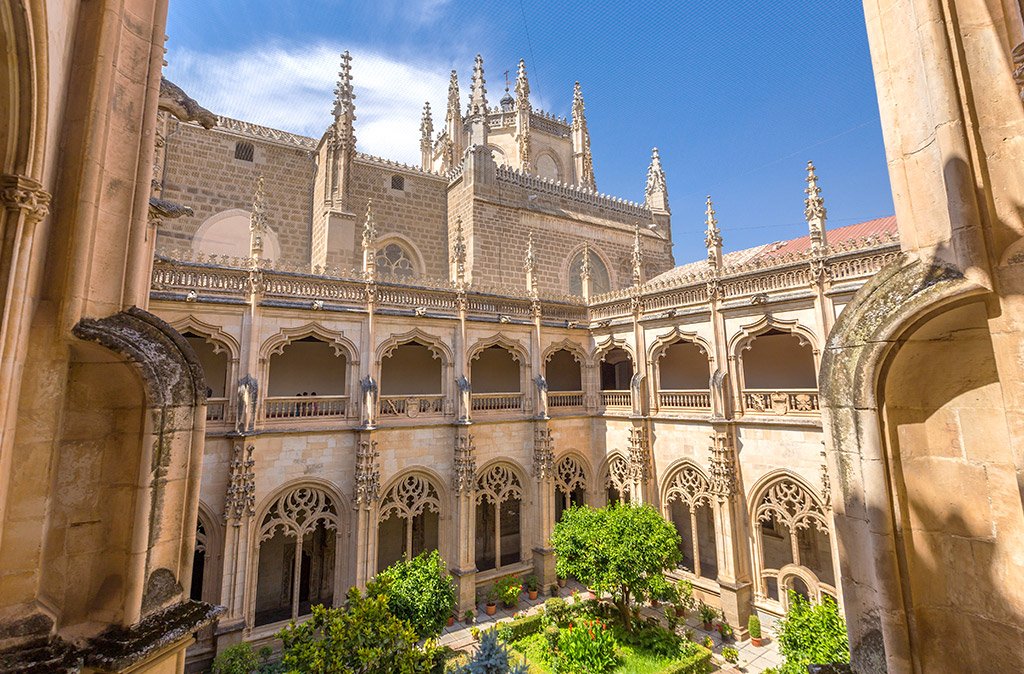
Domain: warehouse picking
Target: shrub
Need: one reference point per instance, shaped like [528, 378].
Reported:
[619, 550]
[754, 626]
[364, 637]
[491, 658]
[587, 647]
[698, 661]
[551, 633]
[508, 589]
[731, 654]
[707, 613]
[708, 643]
[812, 634]
[238, 659]
[513, 630]
[684, 596]
[532, 583]
[419, 591]
[557, 609]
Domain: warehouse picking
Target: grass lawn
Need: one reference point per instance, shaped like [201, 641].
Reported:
[535, 647]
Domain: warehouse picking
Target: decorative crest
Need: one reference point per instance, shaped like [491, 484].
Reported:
[543, 455]
[367, 477]
[426, 127]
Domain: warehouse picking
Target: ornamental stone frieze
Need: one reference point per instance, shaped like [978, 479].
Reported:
[240, 500]
[543, 454]
[21, 193]
[465, 464]
[367, 477]
[639, 454]
[723, 465]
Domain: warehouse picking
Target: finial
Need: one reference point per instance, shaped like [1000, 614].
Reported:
[369, 227]
[584, 162]
[343, 94]
[478, 93]
[814, 208]
[637, 256]
[458, 255]
[522, 87]
[453, 99]
[426, 124]
[656, 191]
[712, 235]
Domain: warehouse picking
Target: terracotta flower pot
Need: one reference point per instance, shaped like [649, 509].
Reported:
[491, 609]
[756, 641]
[451, 621]
[707, 627]
[533, 594]
[591, 594]
[561, 582]
[680, 612]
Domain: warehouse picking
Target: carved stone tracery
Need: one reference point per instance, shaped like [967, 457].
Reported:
[787, 502]
[569, 475]
[723, 466]
[411, 496]
[498, 484]
[639, 454]
[367, 477]
[618, 477]
[298, 513]
[543, 454]
[240, 500]
[465, 464]
[689, 486]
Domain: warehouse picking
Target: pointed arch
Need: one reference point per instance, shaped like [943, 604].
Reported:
[786, 495]
[686, 481]
[501, 492]
[434, 344]
[575, 348]
[512, 345]
[615, 475]
[214, 335]
[661, 343]
[602, 347]
[410, 249]
[569, 267]
[686, 502]
[343, 346]
[410, 516]
[744, 337]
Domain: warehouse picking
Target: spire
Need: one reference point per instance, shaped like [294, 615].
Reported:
[453, 123]
[426, 137]
[582, 159]
[712, 236]
[530, 265]
[458, 255]
[344, 103]
[369, 238]
[257, 222]
[478, 93]
[814, 209]
[637, 256]
[656, 192]
[522, 87]
[585, 271]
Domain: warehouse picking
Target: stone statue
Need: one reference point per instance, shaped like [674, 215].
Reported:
[248, 395]
[718, 393]
[369, 388]
[465, 390]
[542, 395]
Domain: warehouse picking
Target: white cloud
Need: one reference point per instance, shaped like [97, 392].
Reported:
[292, 88]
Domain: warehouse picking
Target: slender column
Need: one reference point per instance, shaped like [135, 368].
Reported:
[696, 540]
[544, 472]
[733, 574]
[367, 488]
[464, 488]
[239, 508]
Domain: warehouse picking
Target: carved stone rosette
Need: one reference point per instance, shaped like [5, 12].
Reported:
[543, 455]
[723, 466]
[240, 500]
[367, 476]
[639, 454]
[21, 193]
[465, 464]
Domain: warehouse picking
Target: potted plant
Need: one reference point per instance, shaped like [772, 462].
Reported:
[451, 620]
[468, 616]
[475, 632]
[508, 589]
[492, 601]
[708, 642]
[707, 616]
[532, 586]
[684, 601]
[553, 590]
[725, 631]
[561, 581]
[672, 618]
[754, 627]
[731, 655]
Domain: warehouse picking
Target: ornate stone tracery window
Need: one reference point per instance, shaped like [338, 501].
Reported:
[617, 480]
[499, 494]
[408, 520]
[296, 573]
[687, 499]
[570, 485]
[793, 542]
[600, 281]
[393, 260]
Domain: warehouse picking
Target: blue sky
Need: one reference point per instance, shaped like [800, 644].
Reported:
[736, 96]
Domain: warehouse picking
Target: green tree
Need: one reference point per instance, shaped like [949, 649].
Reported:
[419, 591]
[362, 638]
[812, 634]
[490, 658]
[238, 659]
[621, 550]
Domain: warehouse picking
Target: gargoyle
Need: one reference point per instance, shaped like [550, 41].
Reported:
[174, 100]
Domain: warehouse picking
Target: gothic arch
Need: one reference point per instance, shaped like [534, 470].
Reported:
[24, 84]
[610, 342]
[615, 474]
[400, 496]
[214, 335]
[569, 479]
[407, 245]
[686, 481]
[560, 174]
[513, 346]
[435, 344]
[746, 334]
[790, 497]
[576, 349]
[661, 343]
[495, 483]
[495, 487]
[341, 502]
[343, 346]
[212, 525]
[570, 259]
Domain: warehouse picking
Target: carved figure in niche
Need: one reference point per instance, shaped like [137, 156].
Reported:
[718, 393]
[542, 394]
[465, 389]
[248, 394]
[636, 387]
[369, 388]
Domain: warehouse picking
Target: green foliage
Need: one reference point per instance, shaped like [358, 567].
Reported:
[511, 630]
[364, 638]
[557, 609]
[621, 550]
[707, 613]
[731, 654]
[551, 634]
[708, 642]
[419, 591]
[754, 626]
[697, 662]
[812, 634]
[684, 596]
[532, 583]
[725, 630]
[491, 658]
[238, 659]
[587, 647]
[508, 590]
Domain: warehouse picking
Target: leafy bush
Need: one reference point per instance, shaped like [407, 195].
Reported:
[419, 591]
[731, 654]
[513, 630]
[684, 596]
[812, 634]
[238, 659]
[707, 613]
[364, 637]
[587, 647]
[508, 589]
[698, 662]
[754, 626]
[491, 658]
[557, 609]
[621, 550]
[532, 583]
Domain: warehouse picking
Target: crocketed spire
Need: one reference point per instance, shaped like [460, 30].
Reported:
[522, 87]
[344, 102]
[584, 162]
[656, 191]
[814, 209]
[712, 236]
[478, 91]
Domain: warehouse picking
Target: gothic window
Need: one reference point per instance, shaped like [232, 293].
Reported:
[408, 522]
[570, 485]
[499, 495]
[794, 551]
[398, 182]
[213, 358]
[297, 555]
[393, 260]
[599, 279]
[617, 481]
[688, 502]
[244, 150]
[198, 563]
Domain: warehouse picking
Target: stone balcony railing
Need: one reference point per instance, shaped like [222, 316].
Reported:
[217, 409]
[616, 399]
[563, 399]
[684, 399]
[411, 406]
[776, 402]
[494, 402]
[305, 407]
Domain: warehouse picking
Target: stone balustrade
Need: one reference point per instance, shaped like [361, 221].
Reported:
[616, 399]
[411, 406]
[493, 402]
[305, 407]
[562, 399]
[787, 402]
[690, 400]
[216, 409]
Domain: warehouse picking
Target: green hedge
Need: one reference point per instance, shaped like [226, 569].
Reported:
[521, 627]
[699, 663]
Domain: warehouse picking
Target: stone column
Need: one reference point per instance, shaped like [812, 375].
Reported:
[544, 472]
[730, 531]
[364, 525]
[639, 461]
[239, 508]
[463, 567]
